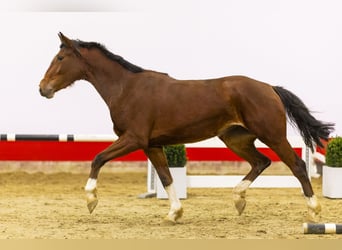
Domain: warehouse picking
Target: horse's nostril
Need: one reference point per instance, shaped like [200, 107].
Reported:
[42, 92]
[48, 93]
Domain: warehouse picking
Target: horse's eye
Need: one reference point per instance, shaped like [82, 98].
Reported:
[60, 58]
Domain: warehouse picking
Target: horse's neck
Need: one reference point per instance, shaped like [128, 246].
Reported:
[108, 78]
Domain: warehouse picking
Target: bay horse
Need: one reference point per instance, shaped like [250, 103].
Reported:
[150, 110]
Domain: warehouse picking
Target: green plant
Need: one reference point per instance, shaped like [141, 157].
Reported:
[333, 157]
[176, 155]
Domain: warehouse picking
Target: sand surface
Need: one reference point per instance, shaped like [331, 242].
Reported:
[52, 206]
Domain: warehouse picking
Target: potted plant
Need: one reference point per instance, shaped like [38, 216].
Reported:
[176, 157]
[332, 170]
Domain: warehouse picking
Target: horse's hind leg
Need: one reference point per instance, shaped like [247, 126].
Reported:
[241, 142]
[298, 168]
[159, 161]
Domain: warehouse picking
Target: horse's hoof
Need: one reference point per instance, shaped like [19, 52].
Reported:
[173, 216]
[92, 200]
[314, 215]
[92, 205]
[168, 222]
[314, 209]
[240, 205]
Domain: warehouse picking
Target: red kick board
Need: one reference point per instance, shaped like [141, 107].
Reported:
[86, 151]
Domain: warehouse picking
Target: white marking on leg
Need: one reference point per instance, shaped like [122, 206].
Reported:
[242, 186]
[312, 202]
[240, 189]
[91, 184]
[91, 194]
[174, 201]
[239, 194]
[313, 206]
[175, 204]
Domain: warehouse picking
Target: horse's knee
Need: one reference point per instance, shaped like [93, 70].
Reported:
[263, 163]
[164, 175]
[299, 169]
[96, 164]
[300, 172]
[166, 180]
[98, 161]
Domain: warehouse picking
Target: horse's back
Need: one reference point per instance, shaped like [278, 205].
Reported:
[243, 83]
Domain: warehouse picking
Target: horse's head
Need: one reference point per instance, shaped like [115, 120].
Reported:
[66, 67]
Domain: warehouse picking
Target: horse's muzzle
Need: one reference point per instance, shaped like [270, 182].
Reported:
[46, 92]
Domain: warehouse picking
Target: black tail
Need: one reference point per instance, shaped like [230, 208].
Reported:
[311, 129]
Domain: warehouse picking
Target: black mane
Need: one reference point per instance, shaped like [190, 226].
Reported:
[127, 65]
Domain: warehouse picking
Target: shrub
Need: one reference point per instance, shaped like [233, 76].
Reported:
[333, 157]
[176, 155]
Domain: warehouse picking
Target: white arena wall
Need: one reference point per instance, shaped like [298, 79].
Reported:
[188, 41]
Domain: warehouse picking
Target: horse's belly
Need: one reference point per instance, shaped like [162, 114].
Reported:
[190, 133]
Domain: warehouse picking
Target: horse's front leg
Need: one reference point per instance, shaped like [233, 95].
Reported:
[176, 210]
[121, 147]
[159, 161]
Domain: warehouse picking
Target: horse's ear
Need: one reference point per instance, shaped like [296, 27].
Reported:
[66, 42]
